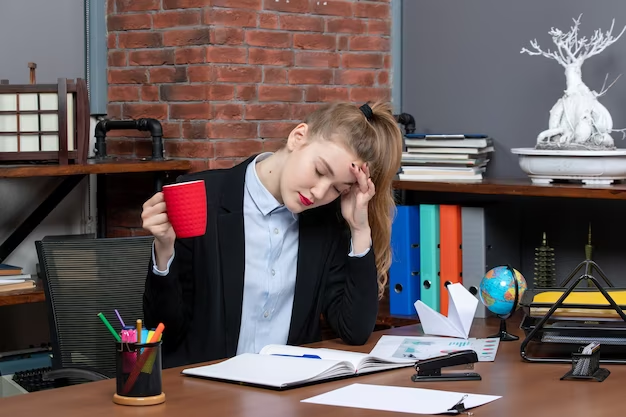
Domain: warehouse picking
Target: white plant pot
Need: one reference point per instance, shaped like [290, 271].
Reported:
[591, 167]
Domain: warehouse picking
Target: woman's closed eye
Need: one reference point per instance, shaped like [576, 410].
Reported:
[319, 174]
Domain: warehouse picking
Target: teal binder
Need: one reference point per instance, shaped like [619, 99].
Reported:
[429, 255]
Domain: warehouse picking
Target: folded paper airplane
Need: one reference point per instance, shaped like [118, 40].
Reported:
[461, 310]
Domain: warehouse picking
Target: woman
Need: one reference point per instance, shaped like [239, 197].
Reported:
[290, 235]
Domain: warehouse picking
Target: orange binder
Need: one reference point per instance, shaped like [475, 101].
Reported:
[451, 258]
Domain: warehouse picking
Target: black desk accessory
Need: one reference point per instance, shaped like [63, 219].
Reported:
[430, 369]
[587, 365]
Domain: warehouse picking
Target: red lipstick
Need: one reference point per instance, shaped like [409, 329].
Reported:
[305, 200]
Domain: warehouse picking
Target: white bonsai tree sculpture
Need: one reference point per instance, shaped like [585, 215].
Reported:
[577, 120]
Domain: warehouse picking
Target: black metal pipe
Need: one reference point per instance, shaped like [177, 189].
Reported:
[150, 125]
[407, 120]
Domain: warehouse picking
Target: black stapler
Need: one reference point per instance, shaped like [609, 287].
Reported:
[430, 369]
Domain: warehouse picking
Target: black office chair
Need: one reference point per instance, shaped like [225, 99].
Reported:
[83, 277]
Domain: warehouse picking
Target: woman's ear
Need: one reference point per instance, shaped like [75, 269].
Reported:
[297, 137]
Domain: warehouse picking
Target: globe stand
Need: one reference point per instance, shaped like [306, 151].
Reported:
[503, 334]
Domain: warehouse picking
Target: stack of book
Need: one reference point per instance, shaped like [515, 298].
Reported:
[445, 157]
[12, 278]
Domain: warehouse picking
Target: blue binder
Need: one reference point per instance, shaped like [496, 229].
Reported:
[404, 279]
[429, 255]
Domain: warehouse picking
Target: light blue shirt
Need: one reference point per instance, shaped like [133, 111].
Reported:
[271, 248]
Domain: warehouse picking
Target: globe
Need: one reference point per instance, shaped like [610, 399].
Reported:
[497, 289]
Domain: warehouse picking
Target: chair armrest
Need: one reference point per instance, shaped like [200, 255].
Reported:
[86, 374]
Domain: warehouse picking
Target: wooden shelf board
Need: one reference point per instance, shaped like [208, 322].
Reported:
[108, 166]
[517, 188]
[34, 295]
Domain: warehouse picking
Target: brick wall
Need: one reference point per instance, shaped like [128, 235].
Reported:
[229, 78]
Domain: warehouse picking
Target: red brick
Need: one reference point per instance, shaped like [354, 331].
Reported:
[349, 60]
[336, 8]
[246, 92]
[168, 75]
[238, 74]
[227, 111]
[143, 148]
[226, 55]
[120, 147]
[369, 43]
[301, 111]
[355, 77]
[152, 57]
[129, 22]
[198, 165]
[235, 148]
[273, 145]
[266, 111]
[231, 130]
[171, 130]
[134, 40]
[186, 37]
[110, 7]
[200, 73]
[222, 163]
[268, 20]
[227, 36]
[294, 6]
[184, 92]
[262, 56]
[379, 27]
[114, 111]
[185, 4]
[229, 17]
[190, 111]
[190, 55]
[221, 92]
[326, 94]
[189, 149]
[314, 41]
[238, 4]
[340, 25]
[359, 94]
[275, 129]
[279, 93]
[317, 59]
[125, 93]
[127, 76]
[268, 38]
[387, 61]
[302, 23]
[372, 10]
[117, 59]
[274, 75]
[127, 133]
[342, 43]
[149, 93]
[310, 76]
[123, 6]
[383, 78]
[112, 40]
[176, 19]
[137, 111]
[194, 130]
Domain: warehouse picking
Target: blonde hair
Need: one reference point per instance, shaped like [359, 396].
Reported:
[378, 142]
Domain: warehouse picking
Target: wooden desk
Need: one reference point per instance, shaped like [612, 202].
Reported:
[528, 389]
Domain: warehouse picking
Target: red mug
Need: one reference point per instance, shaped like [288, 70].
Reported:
[186, 207]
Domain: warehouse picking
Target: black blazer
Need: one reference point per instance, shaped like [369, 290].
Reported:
[200, 300]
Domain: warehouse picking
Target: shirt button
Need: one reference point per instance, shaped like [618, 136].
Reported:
[273, 272]
[266, 314]
[275, 231]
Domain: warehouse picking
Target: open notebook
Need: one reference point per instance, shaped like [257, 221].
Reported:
[280, 366]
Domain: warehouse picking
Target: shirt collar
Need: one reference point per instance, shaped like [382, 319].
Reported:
[262, 198]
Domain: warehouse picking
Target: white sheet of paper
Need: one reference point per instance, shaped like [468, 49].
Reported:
[399, 399]
[11, 281]
[461, 309]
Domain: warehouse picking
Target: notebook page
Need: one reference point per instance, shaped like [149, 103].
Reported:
[274, 371]
[331, 354]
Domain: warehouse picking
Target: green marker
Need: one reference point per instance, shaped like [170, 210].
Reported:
[106, 323]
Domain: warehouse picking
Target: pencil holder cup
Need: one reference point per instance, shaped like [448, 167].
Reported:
[138, 374]
[586, 366]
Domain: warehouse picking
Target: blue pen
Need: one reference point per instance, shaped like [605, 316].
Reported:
[298, 356]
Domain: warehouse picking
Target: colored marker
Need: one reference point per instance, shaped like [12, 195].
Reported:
[298, 356]
[106, 323]
[120, 318]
